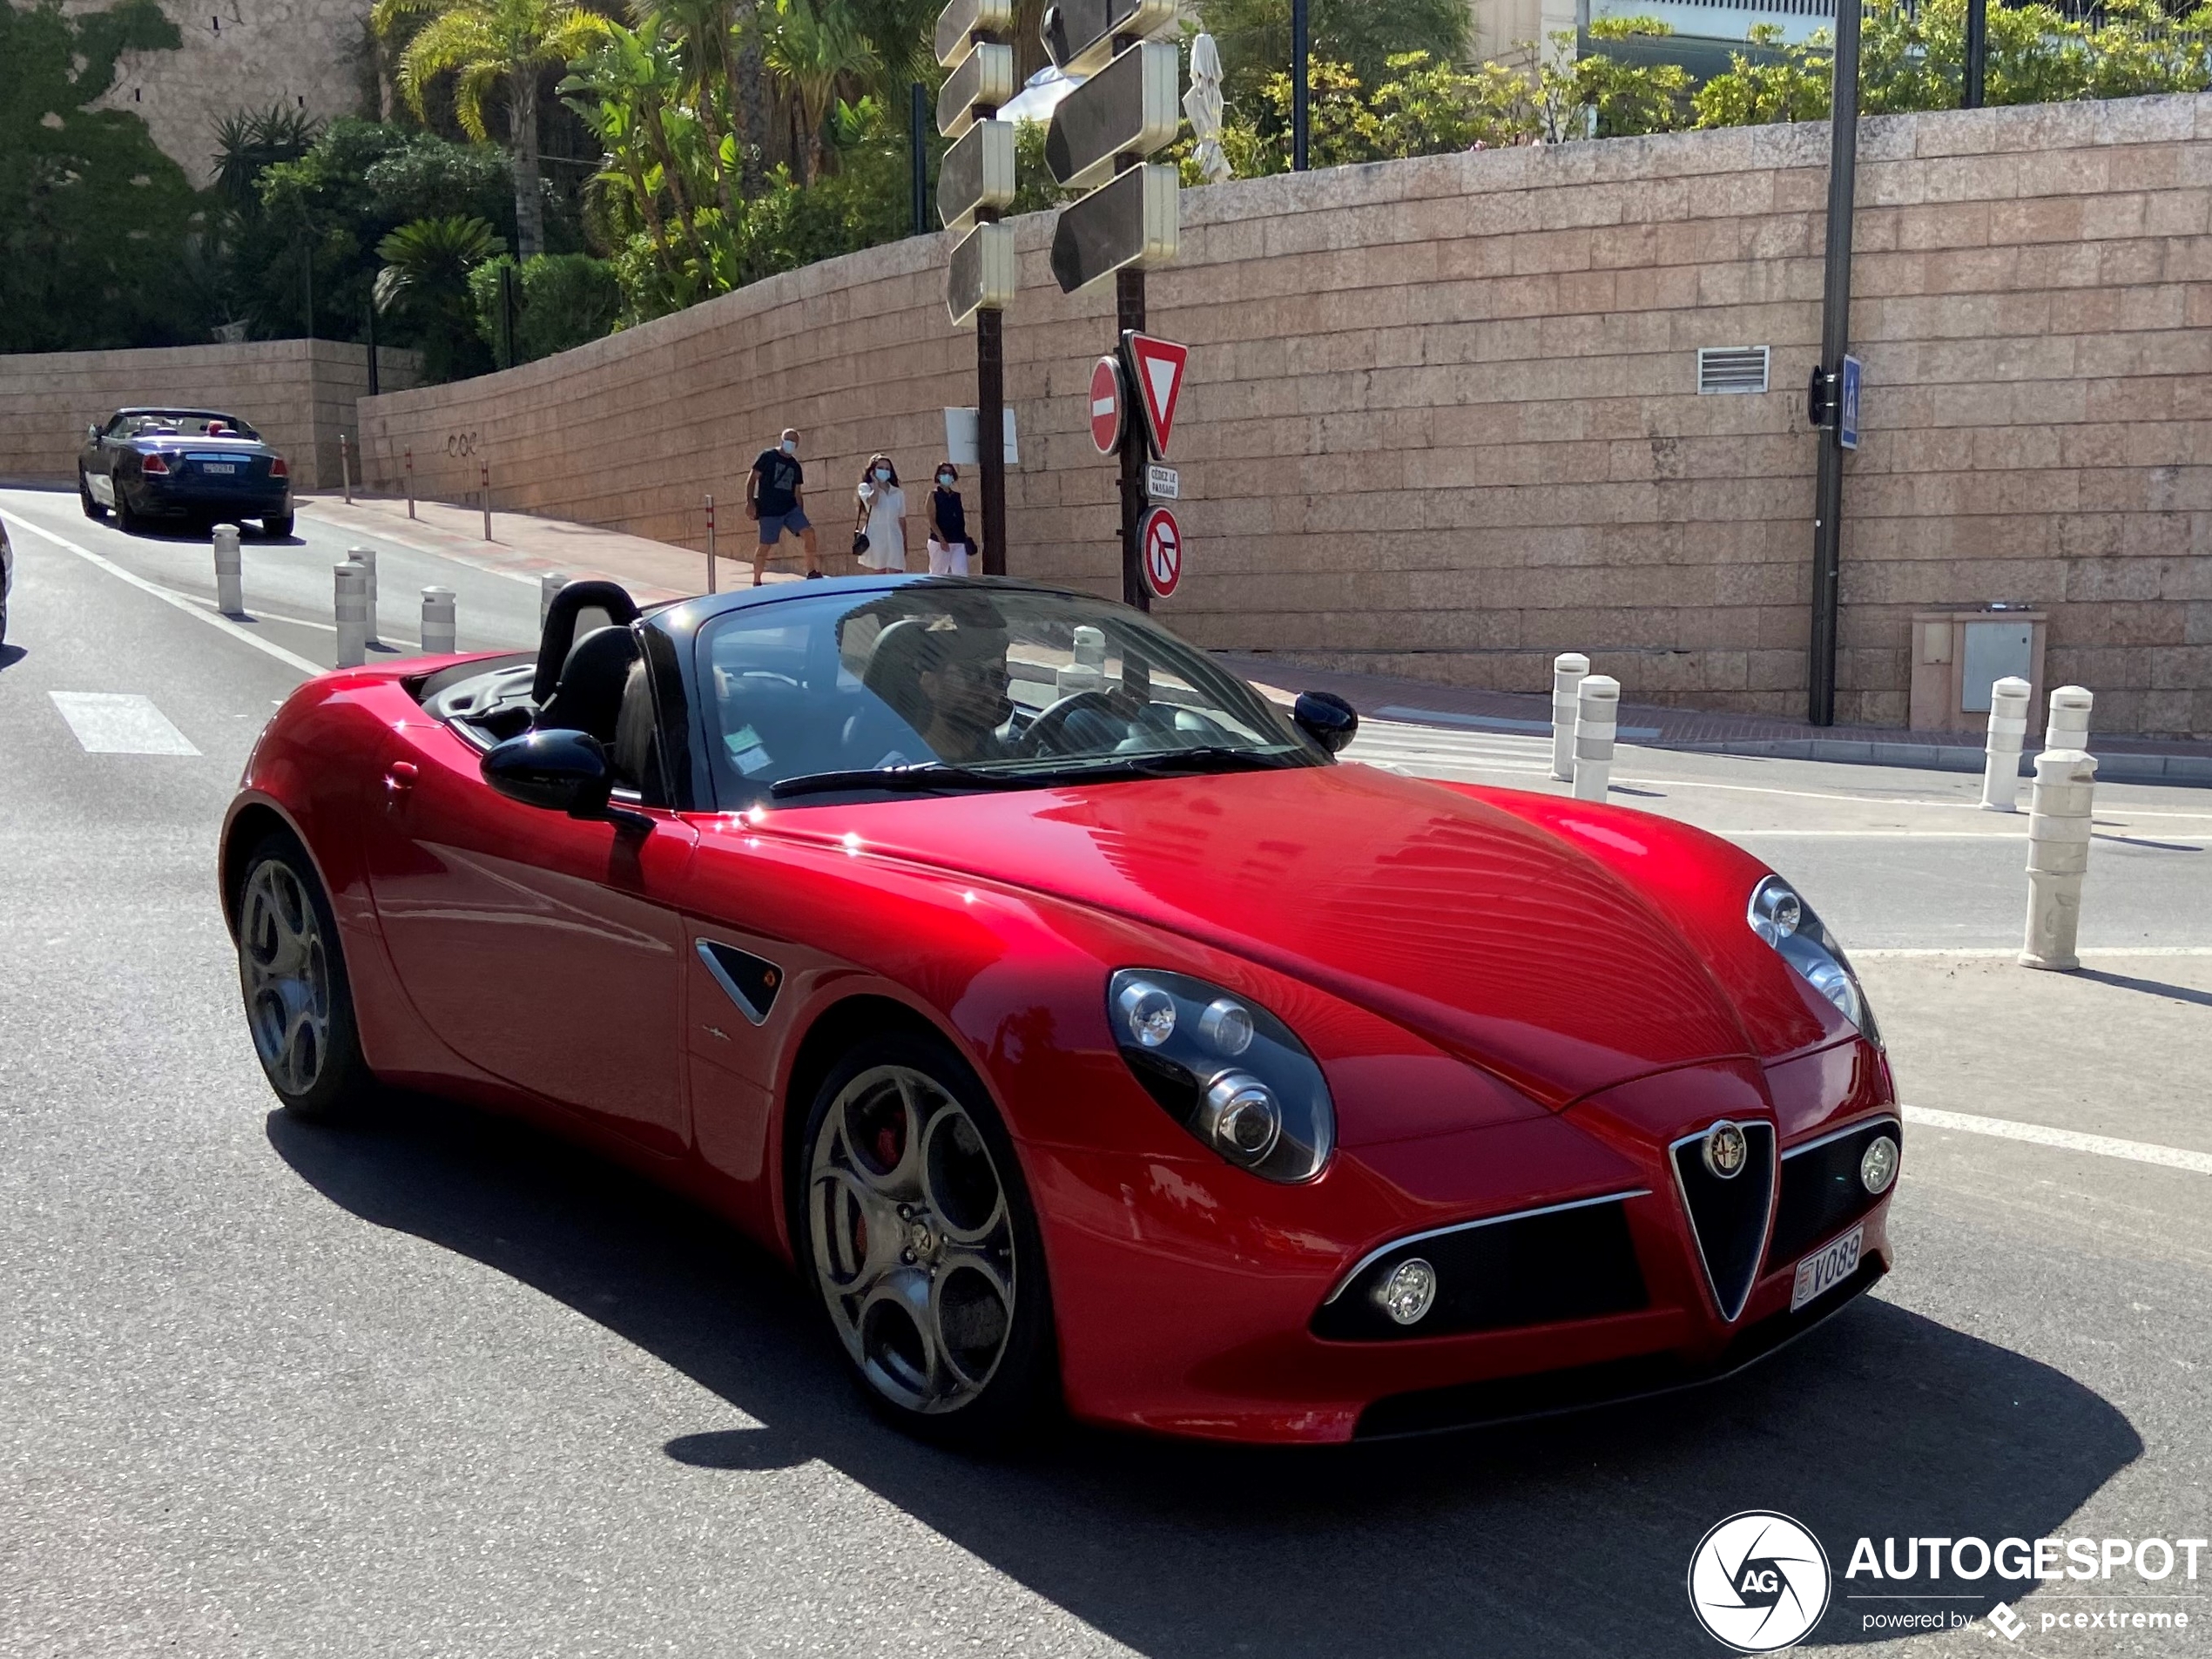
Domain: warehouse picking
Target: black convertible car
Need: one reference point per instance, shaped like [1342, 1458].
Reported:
[196, 466]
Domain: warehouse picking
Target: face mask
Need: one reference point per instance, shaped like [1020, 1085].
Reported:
[946, 479]
[883, 475]
[790, 446]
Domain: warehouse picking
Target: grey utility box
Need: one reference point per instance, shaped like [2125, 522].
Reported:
[1959, 655]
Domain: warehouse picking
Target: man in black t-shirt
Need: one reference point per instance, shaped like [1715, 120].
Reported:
[775, 497]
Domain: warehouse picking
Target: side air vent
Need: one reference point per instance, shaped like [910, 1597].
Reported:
[1731, 368]
[751, 982]
[1729, 1191]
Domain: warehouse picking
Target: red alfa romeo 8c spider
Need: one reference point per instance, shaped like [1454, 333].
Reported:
[1084, 1032]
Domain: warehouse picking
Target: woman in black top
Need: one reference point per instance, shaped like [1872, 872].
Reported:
[949, 543]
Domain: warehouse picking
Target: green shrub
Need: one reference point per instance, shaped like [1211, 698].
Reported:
[561, 300]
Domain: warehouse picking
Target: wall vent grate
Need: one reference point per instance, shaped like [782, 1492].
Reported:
[1731, 368]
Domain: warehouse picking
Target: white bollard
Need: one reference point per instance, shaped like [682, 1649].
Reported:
[1596, 714]
[2066, 730]
[549, 584]
[438, 630]
[230, 574]
[1087, 672]
[2058, 856]
[352, 612]
[2000, 768]
[366, 557]
[1568, 671]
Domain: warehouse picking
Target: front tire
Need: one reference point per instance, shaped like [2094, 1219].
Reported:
[277, 526]
[292, 974]
[918, 1232]
[85, 497]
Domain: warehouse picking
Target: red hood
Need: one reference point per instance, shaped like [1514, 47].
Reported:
[1486, 934]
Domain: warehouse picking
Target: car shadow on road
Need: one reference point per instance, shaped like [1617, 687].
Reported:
[1569, 1537]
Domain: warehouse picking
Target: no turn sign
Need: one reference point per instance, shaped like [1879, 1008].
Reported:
[1161, 540]
[1108, 405]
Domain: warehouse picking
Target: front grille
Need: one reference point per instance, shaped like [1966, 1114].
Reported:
[1728, 1216]
[1821, 1191]
[1540, 1267]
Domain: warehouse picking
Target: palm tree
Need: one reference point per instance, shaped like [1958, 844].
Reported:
[251, 141]
[699, 33]
[427, 264]
[811, 46]
[494, 46]
[638, 76]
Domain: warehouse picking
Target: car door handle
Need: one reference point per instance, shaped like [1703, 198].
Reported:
[399, 778]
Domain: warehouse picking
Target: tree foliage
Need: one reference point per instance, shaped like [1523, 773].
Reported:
[97, 224]
[1364, 35]
[427, 265]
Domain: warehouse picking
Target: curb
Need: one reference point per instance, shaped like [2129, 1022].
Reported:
[2187, 771]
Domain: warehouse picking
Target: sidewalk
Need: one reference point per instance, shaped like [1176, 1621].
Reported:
[526, 545]
[655, 570]
[2136, 760]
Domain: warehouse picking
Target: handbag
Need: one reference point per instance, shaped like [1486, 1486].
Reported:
[859, 542]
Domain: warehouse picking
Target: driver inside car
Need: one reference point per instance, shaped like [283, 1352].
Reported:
[947, 677]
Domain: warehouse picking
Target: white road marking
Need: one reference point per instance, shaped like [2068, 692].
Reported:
[189, 606]
[120, 723]
[2172, 1157]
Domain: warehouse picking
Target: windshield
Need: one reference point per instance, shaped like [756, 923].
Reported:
[183, 423]
[959, 685]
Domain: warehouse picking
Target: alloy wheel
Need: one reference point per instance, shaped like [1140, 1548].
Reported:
[913, 1239]
[286, 969]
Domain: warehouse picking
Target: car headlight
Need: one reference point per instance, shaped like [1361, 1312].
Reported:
[1779, 915]
[1226, 1069]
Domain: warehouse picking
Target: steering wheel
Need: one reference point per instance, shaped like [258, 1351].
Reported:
[1047, 734]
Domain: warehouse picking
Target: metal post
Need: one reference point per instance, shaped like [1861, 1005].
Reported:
[1129, 304]
[2000, 767]
[710, 545]
[410, 483]
[507, 316]
[230, 577]
[1977, 54]
[1568, 671]
[918, 154]
[440, 637]
[1596, 722]
[368, 339]
[990, 435]
[1835, 340]
[484, 490]
[366, 557]
[346, 466]
[350, 609]
[1301, 85]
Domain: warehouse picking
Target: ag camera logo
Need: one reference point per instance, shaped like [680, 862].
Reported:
[1758, 1581]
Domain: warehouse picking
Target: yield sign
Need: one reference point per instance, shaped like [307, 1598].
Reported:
[1156, 367]
[1163, 548]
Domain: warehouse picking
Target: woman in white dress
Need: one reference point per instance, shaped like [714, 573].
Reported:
[881, 517]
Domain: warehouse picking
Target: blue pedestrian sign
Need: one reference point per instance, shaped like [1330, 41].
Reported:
[1847, 405]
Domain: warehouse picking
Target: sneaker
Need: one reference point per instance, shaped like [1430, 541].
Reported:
[814, 576]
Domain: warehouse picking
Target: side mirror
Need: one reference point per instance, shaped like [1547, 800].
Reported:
[1326, 718]
[561, 771]
[92, 433]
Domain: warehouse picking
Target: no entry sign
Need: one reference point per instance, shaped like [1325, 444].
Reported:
[1161, 540]
[1109, 406]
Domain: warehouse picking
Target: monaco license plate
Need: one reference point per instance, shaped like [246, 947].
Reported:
[1827, 1267]
[226, 467]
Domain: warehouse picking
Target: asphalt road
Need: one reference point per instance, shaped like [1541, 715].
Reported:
[436, 1385]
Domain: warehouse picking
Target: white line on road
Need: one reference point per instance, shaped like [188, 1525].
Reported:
[2173, 1158]
[120, 723]
[183, 604]
[2007, 952]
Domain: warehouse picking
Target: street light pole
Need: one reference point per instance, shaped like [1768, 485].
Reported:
[1301, 86]
[918, 154]
[1835, 340]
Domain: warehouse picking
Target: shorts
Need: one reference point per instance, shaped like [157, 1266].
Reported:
[948, 559]
[772, 526]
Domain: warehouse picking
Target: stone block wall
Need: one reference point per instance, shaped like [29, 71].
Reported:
[1443, 417]
[300, 395]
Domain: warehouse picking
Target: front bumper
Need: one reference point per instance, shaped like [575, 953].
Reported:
[1192, 1299]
